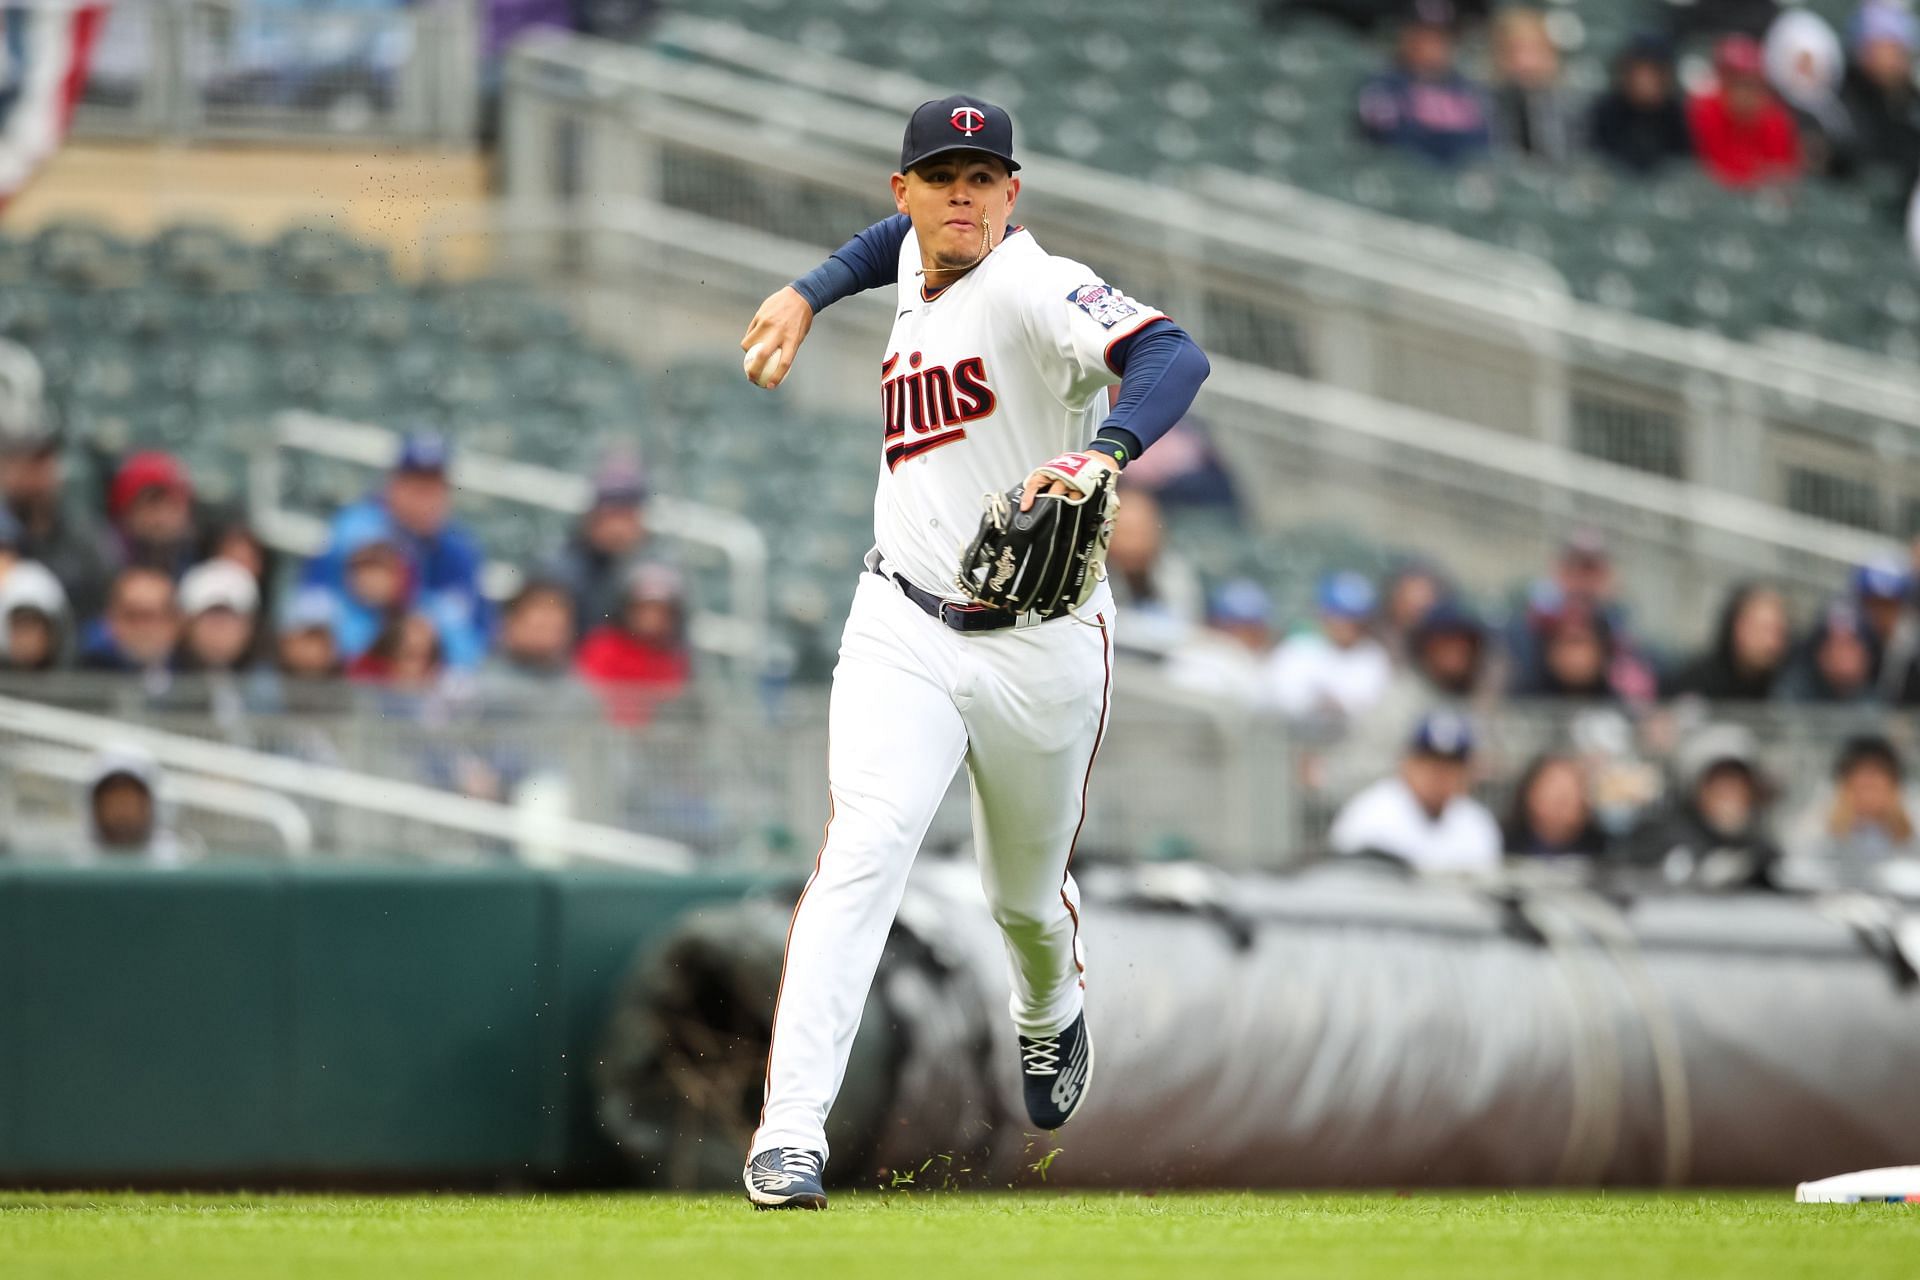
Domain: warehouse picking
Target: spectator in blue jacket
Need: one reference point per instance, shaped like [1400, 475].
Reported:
[379, 583]
[1424, 104]
[441, 557]
[375, 582]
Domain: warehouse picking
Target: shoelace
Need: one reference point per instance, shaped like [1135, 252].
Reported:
[807, 1162]
[1041, 1057]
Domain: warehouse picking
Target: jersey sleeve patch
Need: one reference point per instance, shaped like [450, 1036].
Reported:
[1107, 306]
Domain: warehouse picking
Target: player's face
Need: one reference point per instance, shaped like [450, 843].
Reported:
[959, 205]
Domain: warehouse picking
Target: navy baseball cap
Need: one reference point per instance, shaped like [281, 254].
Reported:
[1449, 618]
[1445, 734]
[424, 451]
[959, 123]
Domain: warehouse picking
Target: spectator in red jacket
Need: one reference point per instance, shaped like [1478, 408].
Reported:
[151, 504]
[640, 659]
[1745, 138]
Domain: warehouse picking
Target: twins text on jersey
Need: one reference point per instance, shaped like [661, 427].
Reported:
[926, 408]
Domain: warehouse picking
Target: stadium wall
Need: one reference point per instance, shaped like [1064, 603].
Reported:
[388, 195]
[314, 1025]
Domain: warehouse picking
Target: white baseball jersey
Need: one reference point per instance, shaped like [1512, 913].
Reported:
[1313, 678]
[1385, 816]
[982, 382]
[999, 372]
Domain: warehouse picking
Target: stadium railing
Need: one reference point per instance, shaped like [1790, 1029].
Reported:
[722, 773]
[726, 779]
[1499, 505]
[231, 70]
[357, 811]
[41, 785]
[1257, 271]
[739, 631]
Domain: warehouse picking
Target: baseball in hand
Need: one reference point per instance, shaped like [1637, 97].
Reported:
[759, 369]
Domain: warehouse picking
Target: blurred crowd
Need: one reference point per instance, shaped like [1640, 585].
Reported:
[341, 58]
[137, 575]
[144, 579]
[1784, 95]
[1711, 821]
[1408, 667]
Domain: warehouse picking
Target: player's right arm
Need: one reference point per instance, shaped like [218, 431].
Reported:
[868, 261]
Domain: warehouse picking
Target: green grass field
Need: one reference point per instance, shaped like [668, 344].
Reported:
[948, 1237]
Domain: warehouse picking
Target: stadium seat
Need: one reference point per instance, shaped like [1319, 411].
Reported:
[202, 258]
[321, 261]
[83, 255]
[1277, 100]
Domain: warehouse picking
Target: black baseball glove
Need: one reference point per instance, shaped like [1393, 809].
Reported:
[1049, 558]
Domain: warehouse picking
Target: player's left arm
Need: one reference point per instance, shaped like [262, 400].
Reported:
[1161, 369]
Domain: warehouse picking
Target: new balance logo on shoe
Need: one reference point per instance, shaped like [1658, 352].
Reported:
[1069, 1082]
[785, 1178]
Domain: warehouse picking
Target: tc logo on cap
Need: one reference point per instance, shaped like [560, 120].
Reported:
[968, 120]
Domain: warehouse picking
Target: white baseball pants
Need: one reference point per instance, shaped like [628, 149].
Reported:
[912, 698]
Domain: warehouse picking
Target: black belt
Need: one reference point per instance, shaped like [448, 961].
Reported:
[960, 617]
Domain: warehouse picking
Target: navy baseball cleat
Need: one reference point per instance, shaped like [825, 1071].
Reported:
[1055, 1072]
[786, 1178]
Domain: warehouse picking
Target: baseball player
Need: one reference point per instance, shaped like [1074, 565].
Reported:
[998, 368]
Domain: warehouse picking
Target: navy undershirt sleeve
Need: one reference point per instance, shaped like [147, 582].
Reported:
[1161, 370]
[869, 260]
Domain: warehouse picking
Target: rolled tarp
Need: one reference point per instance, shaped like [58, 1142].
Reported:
[1344, 1026]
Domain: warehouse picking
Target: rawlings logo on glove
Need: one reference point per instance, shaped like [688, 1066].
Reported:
[1002, 570]
[1049, 558]
[1068, 467]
